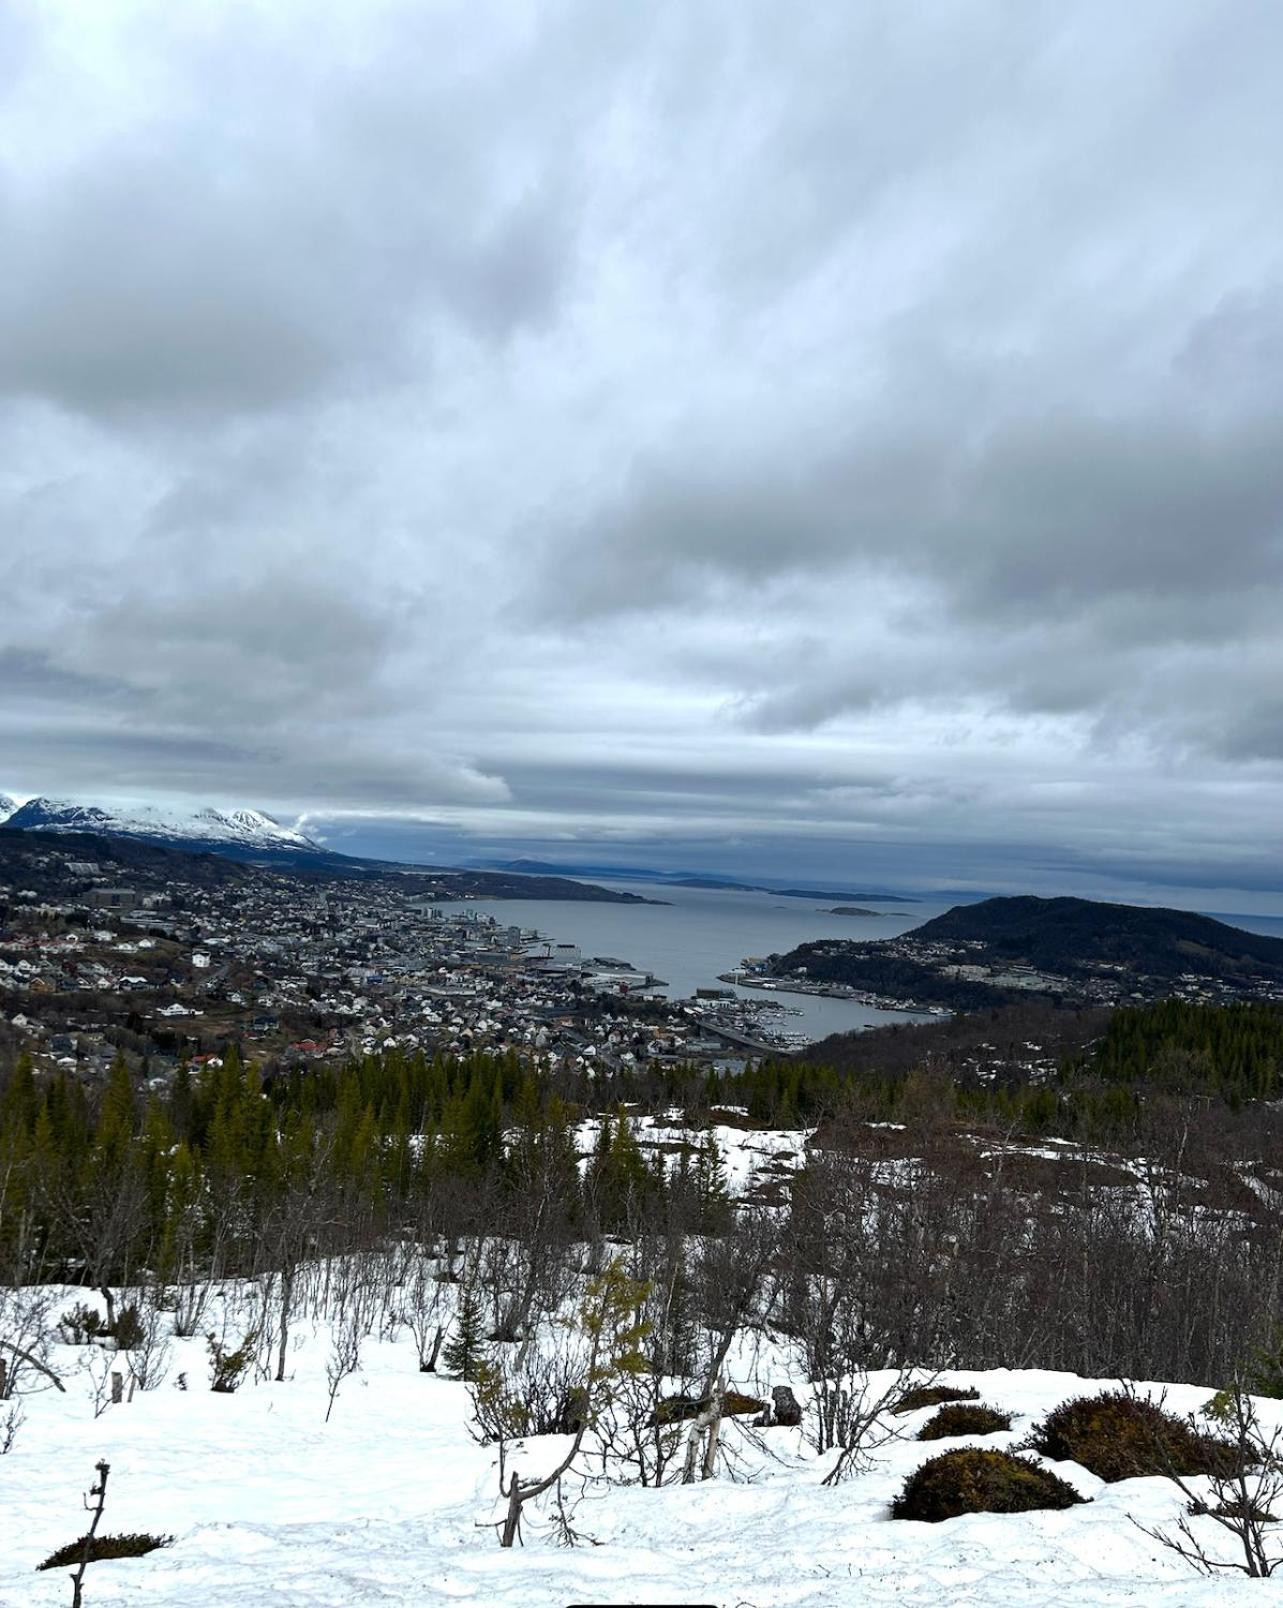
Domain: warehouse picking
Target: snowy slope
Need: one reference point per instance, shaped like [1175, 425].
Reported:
[390, 1501]
[7, 807]
[222, 830]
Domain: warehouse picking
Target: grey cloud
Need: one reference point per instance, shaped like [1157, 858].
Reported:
[1069, 510]
[1238, 345]
[117, 759]
[1059, 565]
[270, 643]
[28, 676]
[678, 425]
[242, 253]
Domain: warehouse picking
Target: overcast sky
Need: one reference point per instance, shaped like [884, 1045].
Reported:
[833, 437]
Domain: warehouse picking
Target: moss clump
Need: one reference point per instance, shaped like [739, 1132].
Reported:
[104, 1547]
[976, 1481]
[932, 1396]
[1119, 1437]
[963, 1418]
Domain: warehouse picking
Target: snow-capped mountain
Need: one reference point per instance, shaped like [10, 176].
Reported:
[244, 833]
[7, 807]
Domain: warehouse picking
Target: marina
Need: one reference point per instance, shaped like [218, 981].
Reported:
[698, 949]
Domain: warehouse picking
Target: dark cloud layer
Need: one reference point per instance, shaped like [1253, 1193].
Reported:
[850, 438]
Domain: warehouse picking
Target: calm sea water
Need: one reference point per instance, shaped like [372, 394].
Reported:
[701, 932]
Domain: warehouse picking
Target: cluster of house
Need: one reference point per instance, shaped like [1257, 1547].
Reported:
[1094, 983]
[304, 968]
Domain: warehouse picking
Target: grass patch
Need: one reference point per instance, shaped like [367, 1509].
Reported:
[104, 1547]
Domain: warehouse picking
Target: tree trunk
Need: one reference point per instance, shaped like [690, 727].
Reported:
[430, 1365]
[287, 1297]
[699, 1424]
[714, 1430]
[100, 1491]
[512, 1519]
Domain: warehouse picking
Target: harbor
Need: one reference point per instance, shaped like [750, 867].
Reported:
[699, 950]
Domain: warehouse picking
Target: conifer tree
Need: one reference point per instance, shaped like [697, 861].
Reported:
[618, 1178]
[710, 1184]
[465, 1351]
[116, 1118]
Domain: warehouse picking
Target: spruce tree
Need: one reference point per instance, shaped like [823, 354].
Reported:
[711, 1186]
[465, 1353]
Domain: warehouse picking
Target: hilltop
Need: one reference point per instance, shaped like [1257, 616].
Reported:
[1072, 936]
[1006, 949]
[246, 834]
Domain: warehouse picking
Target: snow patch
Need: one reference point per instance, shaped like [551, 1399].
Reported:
[241, 828]
[389, 1503]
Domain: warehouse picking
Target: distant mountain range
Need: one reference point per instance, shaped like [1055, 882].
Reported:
[253, 837]
[239, 834]
[682, 879]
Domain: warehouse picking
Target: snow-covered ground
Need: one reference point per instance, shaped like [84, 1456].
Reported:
[391, 1501]
[750, 1157]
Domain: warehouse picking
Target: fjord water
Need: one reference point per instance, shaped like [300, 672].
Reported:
[702, 932]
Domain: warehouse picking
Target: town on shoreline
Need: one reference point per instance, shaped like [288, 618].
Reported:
[170, 958]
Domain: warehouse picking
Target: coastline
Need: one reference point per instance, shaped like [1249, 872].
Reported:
[840, 991]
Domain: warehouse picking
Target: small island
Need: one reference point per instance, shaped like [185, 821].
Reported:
[852, 910]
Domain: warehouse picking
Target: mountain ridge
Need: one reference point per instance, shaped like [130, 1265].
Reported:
[252, 837]
[242, 832]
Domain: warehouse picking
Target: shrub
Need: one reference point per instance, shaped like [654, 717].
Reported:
[104, 1547]
[81, 1325]
[1119, 1437]
[536, 1396]
[129, 1332]
[963, 1418]
[1264, 1373]
[976, 1481]
[10, 1424]
[932, 1396]
[228, 1367]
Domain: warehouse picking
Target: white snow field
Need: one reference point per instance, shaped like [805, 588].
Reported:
[390, 1503]
[245, 828]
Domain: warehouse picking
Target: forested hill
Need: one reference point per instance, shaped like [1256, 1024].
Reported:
[1080, 951]
[1064, 935]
